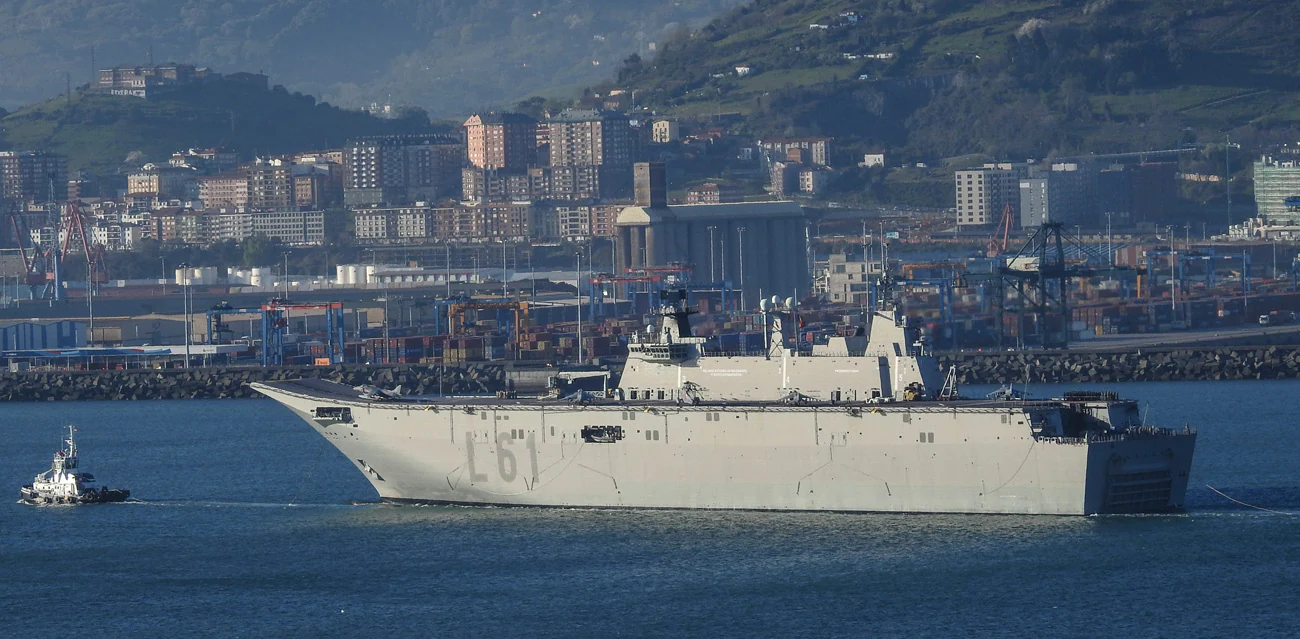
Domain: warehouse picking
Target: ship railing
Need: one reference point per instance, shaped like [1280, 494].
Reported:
[1137, 432]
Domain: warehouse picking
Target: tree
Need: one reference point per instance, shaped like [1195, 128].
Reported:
[259, 250]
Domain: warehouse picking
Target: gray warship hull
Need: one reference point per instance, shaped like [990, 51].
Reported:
[960, 456]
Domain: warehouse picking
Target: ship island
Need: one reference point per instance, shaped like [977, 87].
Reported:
[861, 423]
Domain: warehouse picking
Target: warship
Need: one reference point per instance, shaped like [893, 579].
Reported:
[863, 423]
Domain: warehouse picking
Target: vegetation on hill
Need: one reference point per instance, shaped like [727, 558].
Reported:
[447, 56]
[102, 133]
[1001, 78]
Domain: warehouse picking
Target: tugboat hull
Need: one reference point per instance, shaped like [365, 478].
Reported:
[30, 496]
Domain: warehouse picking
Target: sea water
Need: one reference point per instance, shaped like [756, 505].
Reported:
[246, 527]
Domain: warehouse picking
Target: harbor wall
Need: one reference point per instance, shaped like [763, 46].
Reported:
[222, 383]
[1268, 362]
[1146, 365]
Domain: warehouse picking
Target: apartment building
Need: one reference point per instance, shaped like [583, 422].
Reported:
[711, 193]
[397, 169]
[227, 191]
[33, 176]
[295, 228]
[164, 181]
[665, 131]
[270, 185]
[818, 149]
[145, 81]
[501, 141]
[205, 161]
[497, 185]
[425, 223]
[591, 154]
[1276, 180]
[983, 194]
[115, 236]
[1066, 194]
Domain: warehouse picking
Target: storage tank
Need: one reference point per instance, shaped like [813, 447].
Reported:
[341, 275]
[370, 274]
[207, 275]
[260, 277]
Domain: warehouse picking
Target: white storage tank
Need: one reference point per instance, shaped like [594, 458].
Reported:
[370, 274]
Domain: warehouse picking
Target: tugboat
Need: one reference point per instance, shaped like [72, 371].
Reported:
[64, 484]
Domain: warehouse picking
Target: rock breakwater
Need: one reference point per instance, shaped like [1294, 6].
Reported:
[221, 383]
[1273, 362]
[1270, 362]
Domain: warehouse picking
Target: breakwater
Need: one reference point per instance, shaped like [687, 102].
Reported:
[1145, 365]
[221, 383]
[1270, 362]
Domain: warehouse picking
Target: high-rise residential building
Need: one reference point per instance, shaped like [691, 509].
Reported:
[501, 141]
[1065, 194]
[983, 193]
[270, 185]
[33, 176]
[591, 154]
[497, 185]
[401, 168]
[1275, 181]
[225, 191]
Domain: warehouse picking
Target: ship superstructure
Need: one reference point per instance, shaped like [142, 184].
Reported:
[864, 423]
[886, 358]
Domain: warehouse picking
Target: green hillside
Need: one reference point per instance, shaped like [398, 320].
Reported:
[1002, 78]
[99, 132]
[446, 56]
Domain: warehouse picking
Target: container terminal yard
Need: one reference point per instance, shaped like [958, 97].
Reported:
[1056, 290]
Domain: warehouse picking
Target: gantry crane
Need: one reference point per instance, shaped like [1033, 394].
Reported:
[1031, 284]
[44, 251]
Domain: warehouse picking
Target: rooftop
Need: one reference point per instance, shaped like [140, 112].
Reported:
[638, 215]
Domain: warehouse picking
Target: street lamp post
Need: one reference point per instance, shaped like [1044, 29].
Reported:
[713, 275]
[185, 306]
[164, 273]
[1274, 258]
[579, 287]
[1110, 247]
[741, 256]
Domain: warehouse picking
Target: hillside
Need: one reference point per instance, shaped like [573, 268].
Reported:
[446, 56]
[1001, 78]
[98, 132]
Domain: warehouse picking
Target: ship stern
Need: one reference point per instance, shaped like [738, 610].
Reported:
[1141, 471]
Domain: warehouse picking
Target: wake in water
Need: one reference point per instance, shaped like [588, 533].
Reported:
[207, 503]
